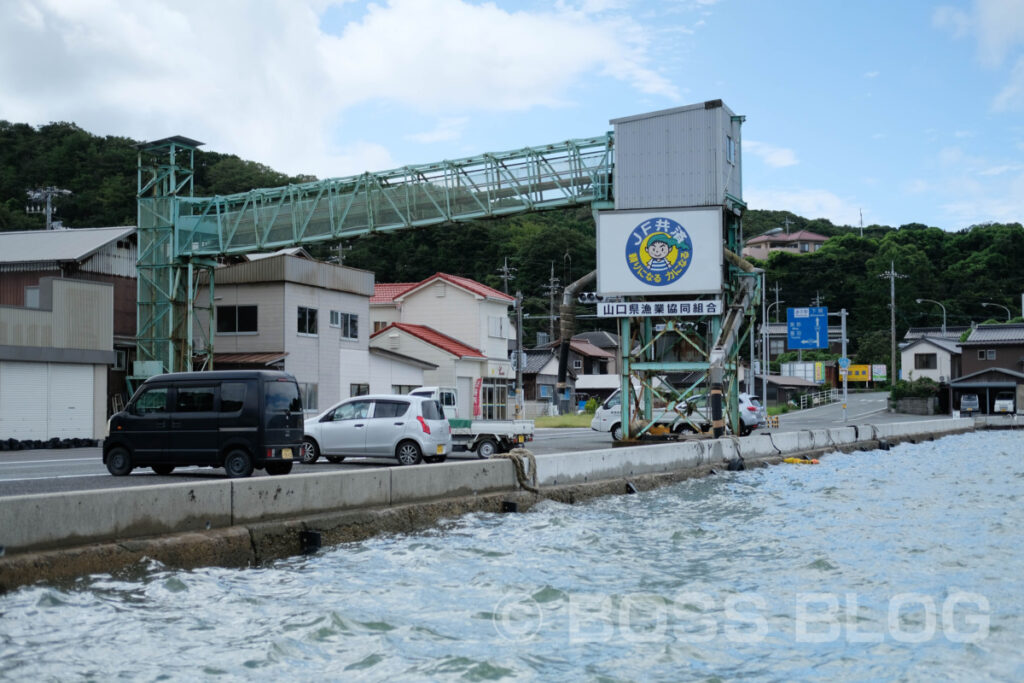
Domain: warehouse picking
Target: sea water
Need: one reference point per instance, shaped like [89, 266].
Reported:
[902, 564]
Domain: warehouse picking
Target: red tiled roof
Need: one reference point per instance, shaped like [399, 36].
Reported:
[465, 283]
[385, 292]
[805, 235]
[434, 338]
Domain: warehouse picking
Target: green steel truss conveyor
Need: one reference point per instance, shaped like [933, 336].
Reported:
[180, 234]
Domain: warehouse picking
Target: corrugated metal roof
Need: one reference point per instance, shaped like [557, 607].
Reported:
[536, 360]
[254, 358]
[1011, 333]
[73, 244]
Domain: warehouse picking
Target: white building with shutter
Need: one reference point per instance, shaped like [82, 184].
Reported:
[53, 362]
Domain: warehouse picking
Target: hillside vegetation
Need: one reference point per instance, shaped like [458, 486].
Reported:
[960, 269]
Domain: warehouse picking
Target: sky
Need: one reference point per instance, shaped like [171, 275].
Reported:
[876, 111]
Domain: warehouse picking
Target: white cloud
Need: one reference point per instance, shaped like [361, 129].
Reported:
[809, 203]
[265, 82]
[1011, 97]
[446, 129]
[776, 157]
[871, 74]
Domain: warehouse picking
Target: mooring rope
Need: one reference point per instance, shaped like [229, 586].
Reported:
[519, 456]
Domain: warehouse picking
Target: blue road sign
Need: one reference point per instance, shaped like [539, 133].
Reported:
[844, 363]
[807, 328]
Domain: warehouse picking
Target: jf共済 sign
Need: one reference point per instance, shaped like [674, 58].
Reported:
[677, 251]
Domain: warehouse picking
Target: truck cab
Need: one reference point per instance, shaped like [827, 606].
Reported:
[446, 396]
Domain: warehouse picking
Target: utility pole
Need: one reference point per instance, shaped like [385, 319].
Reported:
[551, 290]
[861, 222]
[891, 276]
[42, 195]
[507, 273]
[519, 355]
[340, 249]
[787, 223]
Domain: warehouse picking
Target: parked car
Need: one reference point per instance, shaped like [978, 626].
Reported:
[408, 428]
[235, 419]
[1004, 402]
[969, 404]
[752, 414]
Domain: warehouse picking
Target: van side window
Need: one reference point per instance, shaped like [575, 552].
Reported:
[152, 401]
[390, 408]
[232, 397]
[447, 398]
[193, 399]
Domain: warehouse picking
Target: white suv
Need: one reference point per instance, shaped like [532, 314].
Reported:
[407, 428]
[752, 413]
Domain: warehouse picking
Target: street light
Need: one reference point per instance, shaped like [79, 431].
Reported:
[933, 301]
[988, 303]
[775, 303]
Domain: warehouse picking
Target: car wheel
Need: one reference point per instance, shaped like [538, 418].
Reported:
[119, 462]
[617, 432]
[745, 430]
[163, 469]
[238, 464]
[486, 449]
[408, 453]
[309, 452]
[335, 458]
[274, 468]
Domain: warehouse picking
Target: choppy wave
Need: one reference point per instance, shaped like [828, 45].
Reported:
[902, 564]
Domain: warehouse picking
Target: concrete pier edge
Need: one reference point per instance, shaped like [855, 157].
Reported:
[241, 523]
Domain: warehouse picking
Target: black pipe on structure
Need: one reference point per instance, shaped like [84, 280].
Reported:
[717, 419]
[566, 329]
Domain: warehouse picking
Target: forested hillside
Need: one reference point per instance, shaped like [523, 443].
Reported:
[962, 270]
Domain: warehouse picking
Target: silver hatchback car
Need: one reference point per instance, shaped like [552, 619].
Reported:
[408, 428]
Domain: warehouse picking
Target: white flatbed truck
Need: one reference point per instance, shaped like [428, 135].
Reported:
[483, 437]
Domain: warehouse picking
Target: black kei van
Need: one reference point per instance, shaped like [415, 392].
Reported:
[235, 419]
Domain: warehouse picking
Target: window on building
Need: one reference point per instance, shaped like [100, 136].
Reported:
[577, 364]
[730, 149]
[990, 354]
[494, 399]
[358, 389]
[120, 359]
[236, 319]
[379, 325]
[498, 326]
[403, 388]
[776, 346]
[347, 322]
[925, 361]
[31, 297]
[310, 398]
[307, 320]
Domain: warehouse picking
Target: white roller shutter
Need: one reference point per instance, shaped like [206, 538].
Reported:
[23, 400]
[70, 405]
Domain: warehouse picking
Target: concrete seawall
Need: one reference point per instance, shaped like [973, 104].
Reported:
[243, 522]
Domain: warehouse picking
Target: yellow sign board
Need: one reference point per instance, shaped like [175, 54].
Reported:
[859, 373]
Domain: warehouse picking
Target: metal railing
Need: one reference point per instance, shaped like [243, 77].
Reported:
[819, 398]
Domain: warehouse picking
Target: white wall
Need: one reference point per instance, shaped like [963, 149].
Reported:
[943, 361]
[385, 373]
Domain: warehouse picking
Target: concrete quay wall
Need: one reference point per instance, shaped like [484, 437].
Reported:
[258, 519]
